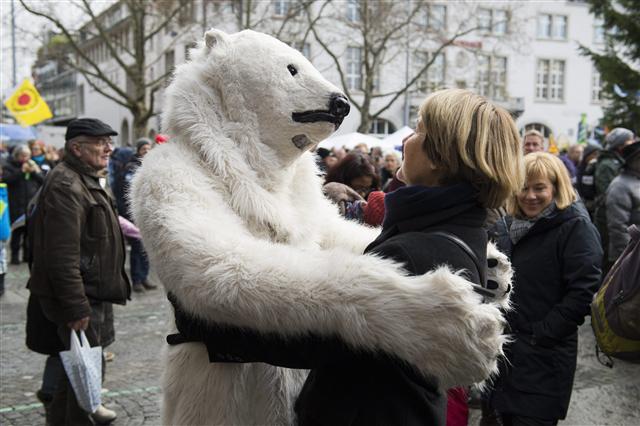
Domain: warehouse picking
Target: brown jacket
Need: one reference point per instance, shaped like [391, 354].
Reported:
[78, 248]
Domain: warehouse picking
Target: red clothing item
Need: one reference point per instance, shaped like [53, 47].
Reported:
[374, 210]
[457, 408]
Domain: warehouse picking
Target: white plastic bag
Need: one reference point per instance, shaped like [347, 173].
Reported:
[83, 365]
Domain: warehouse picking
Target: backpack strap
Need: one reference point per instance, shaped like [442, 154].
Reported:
[478, 288]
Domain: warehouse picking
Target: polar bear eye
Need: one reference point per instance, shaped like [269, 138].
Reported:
[292, 70]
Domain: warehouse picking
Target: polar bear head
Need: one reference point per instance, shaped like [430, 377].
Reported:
[268, 88]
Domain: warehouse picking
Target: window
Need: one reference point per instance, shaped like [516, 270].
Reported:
[434, 77]
[550, 80]
[169, 64]
[492, 77]
[353, 11]
[80, 99]
[500, 20]
[559, 26]
[380, 126]
[354, 68]
[186, 13]
[596, 86]
[281, 7]
[434, 17]
[545, 130]
[493, 21]
[303, 48]
[552, 27]
[187, 49]
[598, 31]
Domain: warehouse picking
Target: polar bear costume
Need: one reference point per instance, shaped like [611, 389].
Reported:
[235, 225]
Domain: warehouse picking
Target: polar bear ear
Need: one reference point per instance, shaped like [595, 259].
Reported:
[215, 39]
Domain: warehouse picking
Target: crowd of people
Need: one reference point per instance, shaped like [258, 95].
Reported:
[561, 219]
[583, 200]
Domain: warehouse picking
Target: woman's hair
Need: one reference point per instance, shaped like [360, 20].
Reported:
[533, 132]
[354, 165]
[545, 165]
[37, 142]
[20, 149]
[470, 139]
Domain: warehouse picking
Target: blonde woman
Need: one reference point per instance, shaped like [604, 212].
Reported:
[556, 253]
[465, 156]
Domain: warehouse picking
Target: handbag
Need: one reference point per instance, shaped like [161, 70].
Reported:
[83, 365]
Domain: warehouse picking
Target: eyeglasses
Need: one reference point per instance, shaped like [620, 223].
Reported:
[103, 141]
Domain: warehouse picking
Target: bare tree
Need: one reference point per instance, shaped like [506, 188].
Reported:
[125, 40]
[375, 34]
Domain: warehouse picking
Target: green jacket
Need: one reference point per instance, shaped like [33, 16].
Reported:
[608, 167]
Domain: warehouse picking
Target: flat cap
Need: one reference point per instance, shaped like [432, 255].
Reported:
[88, 127]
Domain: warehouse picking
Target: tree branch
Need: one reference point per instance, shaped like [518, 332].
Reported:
[104, 37]
[434, 55]
[77, 49]
[333, 56]
[164, 23]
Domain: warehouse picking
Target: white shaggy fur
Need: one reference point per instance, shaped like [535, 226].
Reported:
[236, 226]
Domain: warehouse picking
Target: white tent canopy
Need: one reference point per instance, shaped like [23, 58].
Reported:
[350, 140]
[395, 139]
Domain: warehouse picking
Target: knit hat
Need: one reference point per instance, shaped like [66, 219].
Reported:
[374, 210]
[590, 148]
[617, 137]
[142, 142]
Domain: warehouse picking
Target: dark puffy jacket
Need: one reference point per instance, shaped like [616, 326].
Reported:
[623, 210]
[78, 247]
[124, 209]
[585, 185]
[557, 271]
[21, 187]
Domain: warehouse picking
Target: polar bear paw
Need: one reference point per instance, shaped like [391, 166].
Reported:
[499, 277]
[449, 333]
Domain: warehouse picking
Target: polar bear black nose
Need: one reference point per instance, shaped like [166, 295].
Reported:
[339, 105]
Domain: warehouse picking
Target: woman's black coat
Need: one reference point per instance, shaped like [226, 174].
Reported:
[345, 386]
[557, 271]
[20, 186]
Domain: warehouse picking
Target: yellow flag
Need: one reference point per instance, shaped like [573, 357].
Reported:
[553, 147]
[27, 106]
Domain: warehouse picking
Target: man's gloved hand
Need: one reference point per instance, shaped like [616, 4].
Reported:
[341, 194]
[189, 329]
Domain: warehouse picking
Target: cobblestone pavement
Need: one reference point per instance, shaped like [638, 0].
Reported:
[132, 380]
[601, 396]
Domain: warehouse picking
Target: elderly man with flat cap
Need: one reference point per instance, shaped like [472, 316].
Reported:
[78, 262]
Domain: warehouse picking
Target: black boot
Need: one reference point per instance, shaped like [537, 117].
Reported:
[1, 284]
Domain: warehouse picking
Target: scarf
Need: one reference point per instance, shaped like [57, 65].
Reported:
[520, 227]
[414, 201]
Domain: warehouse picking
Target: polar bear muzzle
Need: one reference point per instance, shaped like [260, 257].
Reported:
[338, 109]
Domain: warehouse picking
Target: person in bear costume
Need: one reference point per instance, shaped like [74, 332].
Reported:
[235, 223]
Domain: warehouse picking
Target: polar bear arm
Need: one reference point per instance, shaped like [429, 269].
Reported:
[223, 274]
[306, 351]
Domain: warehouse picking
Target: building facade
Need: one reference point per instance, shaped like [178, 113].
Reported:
[523, 55]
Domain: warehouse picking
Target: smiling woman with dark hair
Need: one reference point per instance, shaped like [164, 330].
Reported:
[356, 171]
